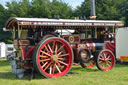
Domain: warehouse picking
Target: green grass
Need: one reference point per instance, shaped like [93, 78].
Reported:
[77, 76]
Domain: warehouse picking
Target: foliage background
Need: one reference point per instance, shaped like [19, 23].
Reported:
[105, 10]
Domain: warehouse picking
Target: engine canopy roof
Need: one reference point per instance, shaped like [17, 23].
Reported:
[60, 23]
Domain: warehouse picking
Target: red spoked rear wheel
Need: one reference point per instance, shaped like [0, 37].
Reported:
[105, 60]
[53, 57]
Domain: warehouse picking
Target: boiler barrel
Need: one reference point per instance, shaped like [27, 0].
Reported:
[99, 46]
[95, 46]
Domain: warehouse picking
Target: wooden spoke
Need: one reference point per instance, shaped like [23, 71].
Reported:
[101, 56]
[100, 62]
[43, 56]
[101, 59]
[50, 48]
[63, 55]
[108, 58]
[58, 68]
[105, 56]
[56, 48]
[50, 72]
[46, 48]
[53, 45]
[109, 62]
[63, 63]
[61, 52]
[45, 53]
[61, 58]
[58, 64]
[47, 66]
[44, 64]
[45, 60]
[60, 48]
[54, 67]
[107, 65]
[103, 65]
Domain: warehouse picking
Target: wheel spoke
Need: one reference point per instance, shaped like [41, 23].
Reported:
[46, 48]
[61, 58]
[53, 45]
[109, 62]
[105, 56]
[63, 63]
[108, 58]
[63, 55]
[54, 67]
[50, 72]
[102, 65]
[60, 48]
[100, 62]
[59, 64]
[61, 52]
[45, 60]
[50, 48]
[47, 66]
[43, 56]
[101, 59]
[44, 65]
[45, 53]
[56, 48]
[58, 68]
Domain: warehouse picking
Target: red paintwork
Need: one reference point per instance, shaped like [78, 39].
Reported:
[111, 46]
[69, 58]
[104, 59]
[28, 55]
[90, 43]
[88, 66]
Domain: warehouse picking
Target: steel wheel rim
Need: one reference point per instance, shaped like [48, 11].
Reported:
[106, 60]
[59, 57]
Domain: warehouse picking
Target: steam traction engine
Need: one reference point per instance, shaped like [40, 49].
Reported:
[50, 46]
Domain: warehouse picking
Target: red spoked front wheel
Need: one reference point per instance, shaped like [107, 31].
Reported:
[90, 64]
[105, 60]
[53, 57]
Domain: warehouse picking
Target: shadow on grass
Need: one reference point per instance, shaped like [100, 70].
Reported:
[85, 69]
[7, 75]
[120, 65]
[4, 62]
[10, 76]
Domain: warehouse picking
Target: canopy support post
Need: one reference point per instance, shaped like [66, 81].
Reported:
[95, 32]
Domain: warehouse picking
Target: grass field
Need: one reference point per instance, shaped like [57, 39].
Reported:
[77, 76]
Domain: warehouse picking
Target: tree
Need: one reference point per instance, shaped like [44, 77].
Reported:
[19, 9]
[41, 8]
[2, 16]
[4, 36]
[60, 8]
[105, 9]
[124, 11]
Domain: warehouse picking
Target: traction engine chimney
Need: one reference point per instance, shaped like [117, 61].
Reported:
[93, 12]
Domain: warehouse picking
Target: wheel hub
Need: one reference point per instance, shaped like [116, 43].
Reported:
[104, 61]
[54, 57]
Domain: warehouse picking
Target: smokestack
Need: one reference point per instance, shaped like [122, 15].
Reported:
[93, 12]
